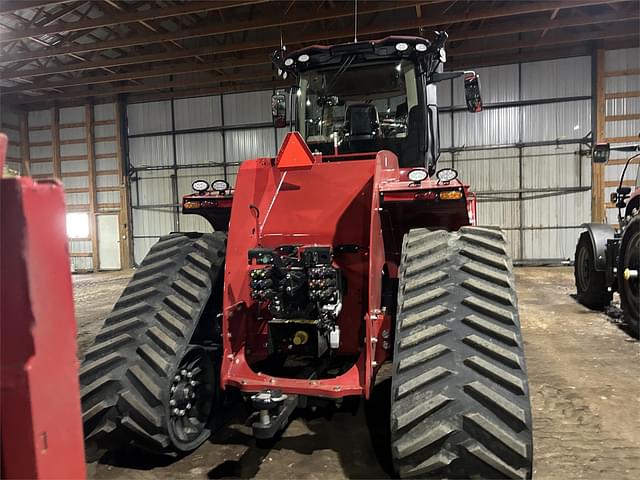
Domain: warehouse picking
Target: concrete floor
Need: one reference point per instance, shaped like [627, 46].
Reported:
[584, 374]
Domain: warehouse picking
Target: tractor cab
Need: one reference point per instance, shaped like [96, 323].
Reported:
[369, 96]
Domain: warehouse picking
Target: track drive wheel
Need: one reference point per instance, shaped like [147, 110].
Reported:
[145, 381]
[628, 273]
[459, 394]
[591, 284]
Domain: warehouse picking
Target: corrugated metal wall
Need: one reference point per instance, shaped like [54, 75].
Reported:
[173, 142]
[622, 118]
[521, 154]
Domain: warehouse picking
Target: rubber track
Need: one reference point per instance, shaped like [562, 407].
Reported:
[125, 375]
[460, 400]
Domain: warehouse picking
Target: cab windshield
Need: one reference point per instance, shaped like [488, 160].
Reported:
[362, 108]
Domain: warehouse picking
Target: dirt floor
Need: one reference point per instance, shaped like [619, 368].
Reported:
[584, 374]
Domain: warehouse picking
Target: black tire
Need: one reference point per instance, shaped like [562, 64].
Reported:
[591, 284]
[127, 375]
[629, 258]
[460, 399]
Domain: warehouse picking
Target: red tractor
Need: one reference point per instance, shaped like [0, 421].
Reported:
[607, 258]
[347, 251]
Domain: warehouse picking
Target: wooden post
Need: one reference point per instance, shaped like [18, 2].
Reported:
[55, 142]
[25, 155]
[598, 213]
[126, 242]
[89, 126]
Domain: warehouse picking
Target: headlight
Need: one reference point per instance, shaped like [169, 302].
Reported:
[303, 58]
[417, 175]
[220, 186]
[447, 174]
[200, 186]
[402, 46]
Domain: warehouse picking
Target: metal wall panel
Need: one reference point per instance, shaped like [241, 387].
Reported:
[42, 168]
[625, 83]
[40, 152]
[104, 111]
[197, 112]
[194, 148]
[566, 77]
[104, 131]
[106, 163]
[151, 151]
[623, 128]
[556, 121]
[444, 93]
[243, 108]
[73, 149]
[74, 166]
[101, 148]
[445, 130]
[622, 59]
[141, 246]
[76, 182]
[248, 144]
[39, 118]
[40, 136]
[71, 115]
[72, 133]
[149, 117]
[490, 127]
[622, 106]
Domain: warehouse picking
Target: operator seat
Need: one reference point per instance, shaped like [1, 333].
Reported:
[362, 127]
[411, 154]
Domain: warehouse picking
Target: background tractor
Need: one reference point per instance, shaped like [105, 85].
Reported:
[608, 258]
[346, 251]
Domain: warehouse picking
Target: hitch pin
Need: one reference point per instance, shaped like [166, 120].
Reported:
[629, 274]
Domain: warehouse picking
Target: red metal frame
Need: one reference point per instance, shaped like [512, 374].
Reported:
[362, 199]
[40, 393]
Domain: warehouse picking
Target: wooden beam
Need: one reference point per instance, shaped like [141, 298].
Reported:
[622, 73]
[89, 139]
[276, 21]
[175, 84]
[629, 139]
[55, 138]
[615, 183]
[139, 74]
[126, 235]
[598, 213]
[128, 17]
[550, 40]
[635, 93]
[376, 29]
[619, 118]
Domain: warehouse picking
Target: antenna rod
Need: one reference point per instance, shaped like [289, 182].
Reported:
[355, 22]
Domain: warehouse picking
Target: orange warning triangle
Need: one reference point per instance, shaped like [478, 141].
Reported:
[294, 152]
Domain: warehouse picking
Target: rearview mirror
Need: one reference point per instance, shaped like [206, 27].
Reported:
[600, 153]
[279, 110]
[472, 92]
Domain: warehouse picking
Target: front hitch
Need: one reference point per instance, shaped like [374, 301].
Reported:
[273, 409]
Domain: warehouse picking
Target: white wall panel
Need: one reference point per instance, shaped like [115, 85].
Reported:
[444, 93]
[141, 247]
[40, 152]
[42, 168]
[104, 111]
[622, 106]
[625, 83]
[106, 164]
[76, 182]
[197, 112]
[107, 181]
[74, 133]
[565, 77]
[249, 144]
[151, 151]
[490, 127]
[149, 117]
[203, 147]
[623, 128]
[243, 108]
[445, 130]
[556, 121]
[74, 166]
[105, 147]
[40, 136]
[622, 59]
[104, 131]
[39, 118]
[73, 149]
[71, 115]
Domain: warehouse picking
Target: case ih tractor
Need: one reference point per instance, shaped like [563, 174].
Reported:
[346, 251]
[607, 258]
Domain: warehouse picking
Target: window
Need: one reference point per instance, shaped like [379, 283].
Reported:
[78, 225]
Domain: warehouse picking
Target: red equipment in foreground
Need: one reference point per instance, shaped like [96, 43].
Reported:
[41, 415]
[346, 251]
